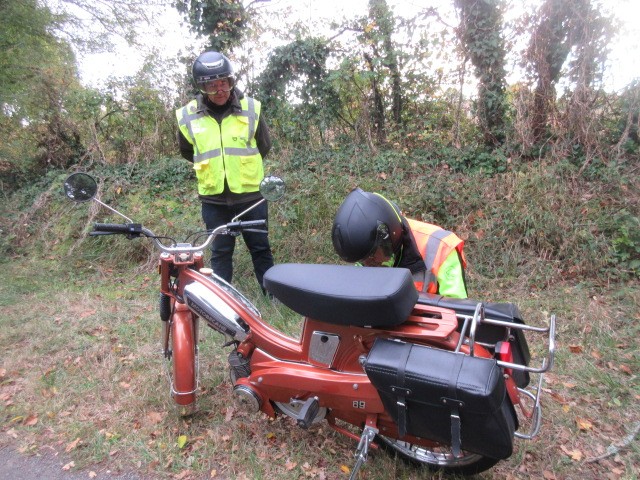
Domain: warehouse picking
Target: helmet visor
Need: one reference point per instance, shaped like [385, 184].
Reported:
[381, 255]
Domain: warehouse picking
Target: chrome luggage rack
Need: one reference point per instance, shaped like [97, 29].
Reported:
[468, 335]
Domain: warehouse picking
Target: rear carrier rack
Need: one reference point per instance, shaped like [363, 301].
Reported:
[470, 334]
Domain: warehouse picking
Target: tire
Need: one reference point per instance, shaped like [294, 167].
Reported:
[438, 460]
[183, 358]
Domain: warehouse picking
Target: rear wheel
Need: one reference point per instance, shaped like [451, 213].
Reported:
[438, 458]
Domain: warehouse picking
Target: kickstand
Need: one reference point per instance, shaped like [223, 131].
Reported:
[368, 434]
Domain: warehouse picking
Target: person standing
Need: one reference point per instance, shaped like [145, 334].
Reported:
[369, 229]
[223, 132]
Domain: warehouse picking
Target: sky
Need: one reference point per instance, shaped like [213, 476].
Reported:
[176, 38]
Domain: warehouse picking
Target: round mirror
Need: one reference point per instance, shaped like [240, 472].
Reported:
[272, 188]
[80, 187]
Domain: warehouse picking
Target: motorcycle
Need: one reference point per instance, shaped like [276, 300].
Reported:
[442, 382]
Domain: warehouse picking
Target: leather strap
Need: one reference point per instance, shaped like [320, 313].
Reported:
[455, 405]
[399, 389]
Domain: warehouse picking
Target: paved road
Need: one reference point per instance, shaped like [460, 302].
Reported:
[47, 465]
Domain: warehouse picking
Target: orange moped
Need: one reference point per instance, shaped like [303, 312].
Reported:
[442, 382]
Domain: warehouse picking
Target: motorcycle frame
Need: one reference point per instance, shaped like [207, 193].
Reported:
[282, 368]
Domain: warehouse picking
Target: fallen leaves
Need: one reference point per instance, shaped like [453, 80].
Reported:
[626, 369]
[72, 446]
[575, 454]
[154, 418]
[183, 475]
[7, 398]
[30, 421]
[583, 424]
[86, 314]
[229, 414]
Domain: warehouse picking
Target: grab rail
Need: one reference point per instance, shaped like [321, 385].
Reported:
[471, 324]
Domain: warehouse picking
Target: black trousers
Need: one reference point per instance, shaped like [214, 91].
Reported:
[224, 245]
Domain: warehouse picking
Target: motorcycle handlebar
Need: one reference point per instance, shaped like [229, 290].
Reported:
[237, 226]
[128, 228]
[136, 230]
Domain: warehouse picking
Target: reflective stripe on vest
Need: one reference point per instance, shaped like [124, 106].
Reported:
[434, 244]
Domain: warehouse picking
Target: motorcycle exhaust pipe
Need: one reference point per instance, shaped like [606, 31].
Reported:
[220, 316]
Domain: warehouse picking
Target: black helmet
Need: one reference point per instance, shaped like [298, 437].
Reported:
[211, 66]
[365, 222]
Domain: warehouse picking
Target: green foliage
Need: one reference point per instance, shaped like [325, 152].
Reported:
[26, 48]
[381, 58]
[482, 160]
[298, 71]
[546, 223]
[37, 73]
[136, 126]
[222, 21]
[626, 241]
[575, 35]
[624, 122]
[481, 35]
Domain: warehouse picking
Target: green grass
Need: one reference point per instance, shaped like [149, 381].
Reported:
[86, 363]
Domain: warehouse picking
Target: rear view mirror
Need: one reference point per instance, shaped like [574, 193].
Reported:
[80, 187]
[272, 188]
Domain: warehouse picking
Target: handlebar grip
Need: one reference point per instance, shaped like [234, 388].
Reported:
[237, 226]
[128, 228]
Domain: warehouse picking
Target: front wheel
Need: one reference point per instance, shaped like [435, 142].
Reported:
[438, 459]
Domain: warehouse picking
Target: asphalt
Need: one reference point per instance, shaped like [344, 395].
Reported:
[48, 464]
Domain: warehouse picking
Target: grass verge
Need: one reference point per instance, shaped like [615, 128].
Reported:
[81, 373]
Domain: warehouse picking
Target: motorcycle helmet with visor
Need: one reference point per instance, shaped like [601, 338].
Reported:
[367, 229]
[207, 71]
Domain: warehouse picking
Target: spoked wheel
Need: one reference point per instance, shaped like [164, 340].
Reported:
[439, 458]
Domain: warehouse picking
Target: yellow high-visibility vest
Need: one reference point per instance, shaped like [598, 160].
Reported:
[227, 150]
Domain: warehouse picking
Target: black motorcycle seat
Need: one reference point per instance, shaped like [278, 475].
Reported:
[506, 312]
[344, 294]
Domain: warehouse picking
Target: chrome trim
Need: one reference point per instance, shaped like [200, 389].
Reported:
[471, 324]
[537, 411]
[322, 348]
[215, 311]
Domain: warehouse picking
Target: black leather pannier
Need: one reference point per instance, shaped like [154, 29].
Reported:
[444, 396]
